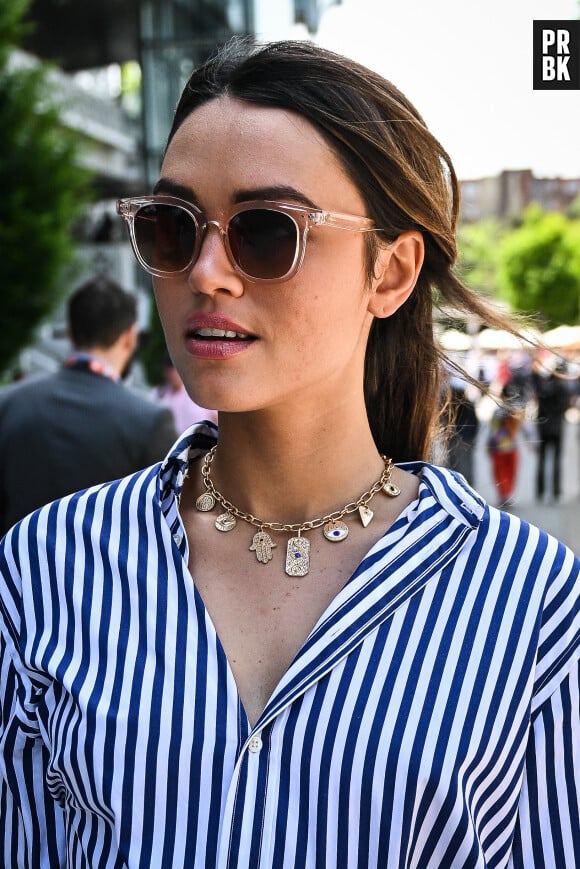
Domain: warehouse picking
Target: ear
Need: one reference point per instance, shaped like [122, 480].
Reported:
[126, 343]
[130, 337]
[397, 268]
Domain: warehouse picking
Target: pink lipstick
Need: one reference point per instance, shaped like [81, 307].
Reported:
[213, 336]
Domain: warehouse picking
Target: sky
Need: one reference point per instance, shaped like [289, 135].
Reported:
[467, 67]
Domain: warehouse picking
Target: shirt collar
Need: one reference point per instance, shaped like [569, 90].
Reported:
[89, 362]
[449, 489]
[195, 442]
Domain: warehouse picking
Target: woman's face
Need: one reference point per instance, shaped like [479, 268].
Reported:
[299, 342]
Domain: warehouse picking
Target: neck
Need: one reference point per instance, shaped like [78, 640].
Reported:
[277, 470]
[109, 355]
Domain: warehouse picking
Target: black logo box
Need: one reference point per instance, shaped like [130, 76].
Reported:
[559, 40]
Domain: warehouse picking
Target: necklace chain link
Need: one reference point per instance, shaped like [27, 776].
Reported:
[297, 527]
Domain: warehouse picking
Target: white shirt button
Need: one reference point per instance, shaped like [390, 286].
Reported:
[255, 744]
[178, 538]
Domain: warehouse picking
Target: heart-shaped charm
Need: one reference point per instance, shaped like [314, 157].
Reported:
[366, 514]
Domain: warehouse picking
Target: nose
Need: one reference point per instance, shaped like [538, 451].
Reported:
[213, 270]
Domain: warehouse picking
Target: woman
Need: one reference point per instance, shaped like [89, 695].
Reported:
[503, 446]
[285, 651]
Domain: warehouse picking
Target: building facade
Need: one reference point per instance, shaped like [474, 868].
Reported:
[506, 195]
[91, 42]
[167, 38]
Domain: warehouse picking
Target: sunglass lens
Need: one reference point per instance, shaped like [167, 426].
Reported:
[263, 242]
[165, 236]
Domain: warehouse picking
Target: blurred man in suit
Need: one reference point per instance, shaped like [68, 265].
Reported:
[80, 426]
[552, 395]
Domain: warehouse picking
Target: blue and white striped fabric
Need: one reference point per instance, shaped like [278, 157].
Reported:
[430, 719]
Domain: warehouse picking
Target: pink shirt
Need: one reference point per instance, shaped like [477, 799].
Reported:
[185, 411]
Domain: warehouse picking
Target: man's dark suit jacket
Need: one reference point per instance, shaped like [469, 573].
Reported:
[71, 430]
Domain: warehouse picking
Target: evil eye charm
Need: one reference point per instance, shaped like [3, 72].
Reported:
[391, 490]
[225, 522]
[335, 531]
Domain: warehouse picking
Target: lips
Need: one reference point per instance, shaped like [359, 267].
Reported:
[220, 333]
[213, 336]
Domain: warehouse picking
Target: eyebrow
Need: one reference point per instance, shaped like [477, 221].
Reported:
[275, 192]
[172, 188]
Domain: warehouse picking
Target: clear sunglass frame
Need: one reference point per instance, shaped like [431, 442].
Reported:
[304, 218]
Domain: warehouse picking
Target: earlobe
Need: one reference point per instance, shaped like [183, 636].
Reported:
[397, 268]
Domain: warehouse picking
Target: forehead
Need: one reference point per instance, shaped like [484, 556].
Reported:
[227, 145]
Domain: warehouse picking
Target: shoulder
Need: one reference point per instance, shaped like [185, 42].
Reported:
[130, 505]
[20, 392]
[504, 541]
[58, 559]
[517, 576]
[89, 515]
[138, 402]
[57, 549]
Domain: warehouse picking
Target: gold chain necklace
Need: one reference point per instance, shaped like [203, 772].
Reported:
[298, 547]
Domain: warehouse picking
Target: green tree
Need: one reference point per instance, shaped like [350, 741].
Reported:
[573, 211]
[44, 190]
[539, 266]
[478, 255]
[153, 349]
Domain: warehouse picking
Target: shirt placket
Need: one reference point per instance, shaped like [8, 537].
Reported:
[246, 837]
[243, 841]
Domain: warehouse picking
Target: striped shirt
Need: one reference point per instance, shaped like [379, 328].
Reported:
[429, 720]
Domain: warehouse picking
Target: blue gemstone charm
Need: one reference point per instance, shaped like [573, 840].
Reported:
[335, 531]
[225, 522]
[298, 556]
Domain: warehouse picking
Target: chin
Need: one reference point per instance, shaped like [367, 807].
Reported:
[215, 394]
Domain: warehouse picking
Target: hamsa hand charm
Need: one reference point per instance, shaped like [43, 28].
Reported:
[262, 545]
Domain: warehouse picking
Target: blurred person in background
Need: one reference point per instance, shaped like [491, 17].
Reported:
[552, 394]
[80, 426]
[462, 428]
[173, 395]
[503, 444]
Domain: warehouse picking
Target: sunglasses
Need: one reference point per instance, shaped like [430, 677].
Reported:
[265, 241]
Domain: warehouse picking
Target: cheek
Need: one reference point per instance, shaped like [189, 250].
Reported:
[331, 296]
[167, 300]
[324, 326]
[159, 294]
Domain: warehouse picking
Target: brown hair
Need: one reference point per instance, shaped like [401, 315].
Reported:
[99, 312]
[407, 181]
